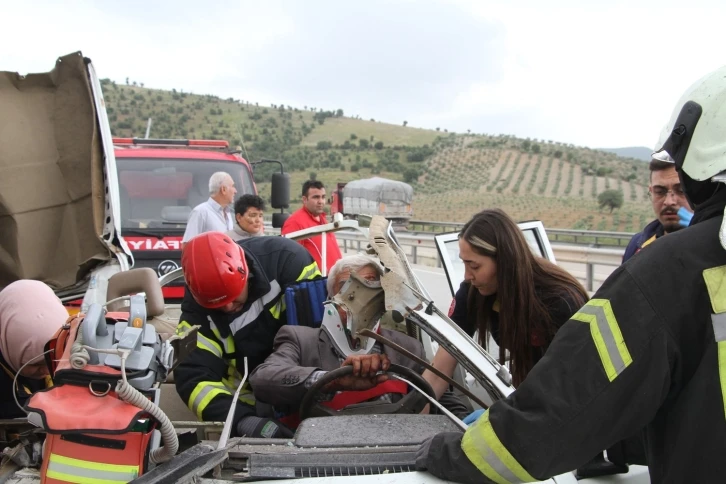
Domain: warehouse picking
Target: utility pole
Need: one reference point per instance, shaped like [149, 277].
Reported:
[148, 128]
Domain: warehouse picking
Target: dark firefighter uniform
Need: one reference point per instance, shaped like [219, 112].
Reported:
[648, 351]
[209, 377]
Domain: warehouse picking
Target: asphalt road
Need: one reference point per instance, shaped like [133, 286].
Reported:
[435, 281]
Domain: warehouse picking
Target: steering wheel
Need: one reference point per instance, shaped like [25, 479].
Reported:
[412, 402]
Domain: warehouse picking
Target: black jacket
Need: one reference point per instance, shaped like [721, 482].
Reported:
[208, 378]
[25, 388]
[646, 351]
[560, 309]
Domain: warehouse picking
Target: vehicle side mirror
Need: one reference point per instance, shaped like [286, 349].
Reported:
[278, 219]
[280, 196]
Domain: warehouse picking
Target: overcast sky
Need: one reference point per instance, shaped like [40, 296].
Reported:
[605, 75]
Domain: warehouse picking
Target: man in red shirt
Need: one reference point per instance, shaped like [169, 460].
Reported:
[312, 214]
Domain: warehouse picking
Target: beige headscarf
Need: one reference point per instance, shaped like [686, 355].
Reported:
[30, 314]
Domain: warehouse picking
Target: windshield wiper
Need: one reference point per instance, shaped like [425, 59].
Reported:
[125, 231]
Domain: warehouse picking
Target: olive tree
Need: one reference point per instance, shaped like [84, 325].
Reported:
[610, 198]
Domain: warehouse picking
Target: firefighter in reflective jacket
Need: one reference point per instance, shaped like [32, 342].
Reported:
[648, 351]
[234, 292]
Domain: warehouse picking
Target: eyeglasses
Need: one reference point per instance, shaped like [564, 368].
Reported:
[659, 193]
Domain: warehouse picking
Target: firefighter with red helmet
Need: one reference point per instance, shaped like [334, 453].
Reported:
[234, 292]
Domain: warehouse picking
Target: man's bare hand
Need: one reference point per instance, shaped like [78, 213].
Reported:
[364, 375]
[367, 365]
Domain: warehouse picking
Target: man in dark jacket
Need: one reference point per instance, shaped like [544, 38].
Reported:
[234, 292]
[646, 351]
[303, 355]
[666, 195]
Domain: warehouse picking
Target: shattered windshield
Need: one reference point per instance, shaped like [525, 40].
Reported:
[160, 193]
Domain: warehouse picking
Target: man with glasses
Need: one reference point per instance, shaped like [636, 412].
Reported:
[667, 197]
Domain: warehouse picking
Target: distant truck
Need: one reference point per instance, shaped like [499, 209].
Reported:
[374, 196]
[160, 182]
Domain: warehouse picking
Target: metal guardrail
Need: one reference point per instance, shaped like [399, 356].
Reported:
[590, 237]
[594, 238]
[572, 236]
[589, 264]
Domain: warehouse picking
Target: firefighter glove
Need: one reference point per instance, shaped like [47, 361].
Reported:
[262, 427]
[441, 455]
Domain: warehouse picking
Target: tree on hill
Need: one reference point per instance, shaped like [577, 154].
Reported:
[405, 123]
[610, 198]
[411, 175]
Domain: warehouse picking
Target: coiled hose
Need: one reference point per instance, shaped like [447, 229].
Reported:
[79, 355]
[79, 359]
[131, 395]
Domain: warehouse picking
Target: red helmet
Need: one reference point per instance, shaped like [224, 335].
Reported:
[215, 269]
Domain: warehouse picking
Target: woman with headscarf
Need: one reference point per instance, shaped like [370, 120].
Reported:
[30, 314]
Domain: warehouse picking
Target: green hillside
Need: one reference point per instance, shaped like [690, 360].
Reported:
[454, 175]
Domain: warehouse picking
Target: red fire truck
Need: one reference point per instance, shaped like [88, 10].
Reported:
[160, 182]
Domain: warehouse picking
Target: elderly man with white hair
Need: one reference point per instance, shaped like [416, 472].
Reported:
[214, 215]
[302, 355]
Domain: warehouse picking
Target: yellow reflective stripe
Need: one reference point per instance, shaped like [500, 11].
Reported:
[207, 344]
[229, 345]
[181, 327]
[81, 471]
[63, 477]
[484, 449]
[203, 393]
[715, 278]
[227, 342]
[245, 395]
[214, 329]
[278, 308]
[309, 272]
[606, 334]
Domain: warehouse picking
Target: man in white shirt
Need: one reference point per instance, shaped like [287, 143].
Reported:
[214, 215]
